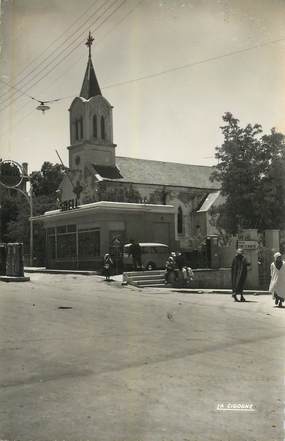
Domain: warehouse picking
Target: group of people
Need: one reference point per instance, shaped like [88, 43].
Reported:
[277, 272]
[176, 266]
[134, 252]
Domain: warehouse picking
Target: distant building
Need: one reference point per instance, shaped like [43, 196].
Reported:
[106, 196]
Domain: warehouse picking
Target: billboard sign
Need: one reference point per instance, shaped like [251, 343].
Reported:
[248, 244]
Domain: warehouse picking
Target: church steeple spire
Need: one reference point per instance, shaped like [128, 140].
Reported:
[90, 86]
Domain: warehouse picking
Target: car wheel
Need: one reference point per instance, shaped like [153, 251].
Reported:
[150, 266]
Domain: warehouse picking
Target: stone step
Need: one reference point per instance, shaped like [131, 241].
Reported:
[143, 273]
[147, 277]
[157, 285]
[144, 278]
[147, 282]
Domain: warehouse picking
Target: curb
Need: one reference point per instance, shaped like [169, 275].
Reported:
[217, 291]
[58, 271]
[14, 279]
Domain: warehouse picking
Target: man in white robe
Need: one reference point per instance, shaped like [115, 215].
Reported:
[277, 284]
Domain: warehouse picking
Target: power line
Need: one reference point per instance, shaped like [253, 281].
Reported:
[49, 46]
[31, 97]
[260, 45]
[15, 88]
[185, 66]
[189, 65]
[71, 96]
[80, 42]
[195, 63]
[61, 52]
[81, 57]
[120, 21]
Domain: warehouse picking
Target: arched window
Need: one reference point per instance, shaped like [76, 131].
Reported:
[180, 221]
[102, 127]
[95, 131]
[81, 127]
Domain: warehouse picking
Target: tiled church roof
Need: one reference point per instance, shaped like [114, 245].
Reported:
[107, 172]
[144, 171]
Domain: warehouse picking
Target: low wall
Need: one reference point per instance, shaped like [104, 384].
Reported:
[217, 279]
[212, 278]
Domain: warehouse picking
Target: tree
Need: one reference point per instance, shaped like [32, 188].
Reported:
[15, 216]
[271, 196]
[251, 172]
[9, 211]
[46, 181]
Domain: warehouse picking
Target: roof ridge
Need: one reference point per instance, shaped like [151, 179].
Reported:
[165, 162]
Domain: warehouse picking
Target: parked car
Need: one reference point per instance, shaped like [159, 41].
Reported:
[154, 255]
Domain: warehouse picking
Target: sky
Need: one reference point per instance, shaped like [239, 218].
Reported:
[170, 68]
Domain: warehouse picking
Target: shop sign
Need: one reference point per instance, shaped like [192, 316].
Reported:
[68, 205]
[248, 244]
[11, 174]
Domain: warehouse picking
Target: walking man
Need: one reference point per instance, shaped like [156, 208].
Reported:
[239, 273]
[277, 284]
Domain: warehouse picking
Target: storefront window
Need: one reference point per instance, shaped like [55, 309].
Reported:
[89, 244]
[66, 241]
[51, 243]
[61, 229]
[66, 246]
[71, 228]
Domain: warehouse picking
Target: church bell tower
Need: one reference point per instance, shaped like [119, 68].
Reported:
[91, 123]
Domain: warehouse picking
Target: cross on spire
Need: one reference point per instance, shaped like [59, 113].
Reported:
[89, 43]
[90, 86]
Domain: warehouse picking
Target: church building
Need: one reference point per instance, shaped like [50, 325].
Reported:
[105, 199]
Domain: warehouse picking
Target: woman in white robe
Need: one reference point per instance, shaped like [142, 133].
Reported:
[277, 284]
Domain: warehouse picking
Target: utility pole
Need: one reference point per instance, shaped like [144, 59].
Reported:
[29, 198]
[1, 232]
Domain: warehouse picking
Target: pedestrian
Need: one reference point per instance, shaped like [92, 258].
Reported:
[239, 273]
[108, 265]
[180, 261]
[173, 255]
[136, 253]
[190, 275]
[183, 270]
[180, 267]
[170, 267]
[277, 284]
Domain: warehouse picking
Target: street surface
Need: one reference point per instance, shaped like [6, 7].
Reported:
[125, 364]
